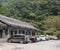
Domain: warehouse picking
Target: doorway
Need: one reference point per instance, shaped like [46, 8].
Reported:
[1, 31]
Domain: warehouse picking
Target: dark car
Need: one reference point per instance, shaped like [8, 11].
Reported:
[22, 38]
[33, 39]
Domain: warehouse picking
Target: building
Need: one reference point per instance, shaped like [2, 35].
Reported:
[10, 26]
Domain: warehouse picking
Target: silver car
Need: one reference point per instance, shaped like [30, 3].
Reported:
[21, 38]
[51, 37]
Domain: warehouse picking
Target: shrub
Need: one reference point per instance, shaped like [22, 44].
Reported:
[57, 34]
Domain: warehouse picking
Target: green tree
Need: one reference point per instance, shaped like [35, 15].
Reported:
[52, 23]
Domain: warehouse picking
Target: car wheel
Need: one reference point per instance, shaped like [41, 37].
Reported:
[10, 41]
[21, 42]
[40, 39]
[30, 41]
[25, 42]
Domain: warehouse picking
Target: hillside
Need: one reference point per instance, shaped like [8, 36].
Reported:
[32, 11]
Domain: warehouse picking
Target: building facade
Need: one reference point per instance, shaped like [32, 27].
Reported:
[10, 27]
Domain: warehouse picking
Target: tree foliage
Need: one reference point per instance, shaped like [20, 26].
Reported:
[33, 11]
[52, 23]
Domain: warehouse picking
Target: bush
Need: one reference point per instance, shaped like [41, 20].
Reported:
[57, 34]
[48, 32]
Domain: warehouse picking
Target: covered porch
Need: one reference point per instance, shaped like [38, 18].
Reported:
[7, 31]
[10, 27]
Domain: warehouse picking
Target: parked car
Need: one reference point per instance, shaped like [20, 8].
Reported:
[22, 38]
[37, 38]
[33, 38]
[41, 38]
[51, 37]
[54, 38]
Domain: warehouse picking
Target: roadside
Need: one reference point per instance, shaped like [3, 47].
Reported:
[44, 45]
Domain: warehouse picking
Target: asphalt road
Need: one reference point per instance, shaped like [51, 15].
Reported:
[43, 45]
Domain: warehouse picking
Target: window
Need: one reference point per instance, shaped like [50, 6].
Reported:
[33, 33]
[15, 32]
[28, 33]
[1, 33]
[19, 31]
[11, 33]
[23, 32]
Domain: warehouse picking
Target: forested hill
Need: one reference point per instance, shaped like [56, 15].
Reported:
[35, 12]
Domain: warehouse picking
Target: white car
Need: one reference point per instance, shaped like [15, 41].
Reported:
[54, 38]
[50, 37]
[42, 37]
[37, 38]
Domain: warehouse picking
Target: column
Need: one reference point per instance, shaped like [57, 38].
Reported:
[21, 31]
[3, 33]
[8, 34]
[31, 32]
[17, 31]
[25, 32]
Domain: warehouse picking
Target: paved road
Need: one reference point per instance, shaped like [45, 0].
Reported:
[45, 45]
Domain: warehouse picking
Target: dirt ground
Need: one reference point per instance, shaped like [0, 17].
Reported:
[44, 45]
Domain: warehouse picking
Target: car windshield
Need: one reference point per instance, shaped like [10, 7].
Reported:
[19, 36]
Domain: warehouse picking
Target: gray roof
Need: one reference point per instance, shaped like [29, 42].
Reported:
[2, 24]
[14, 22]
